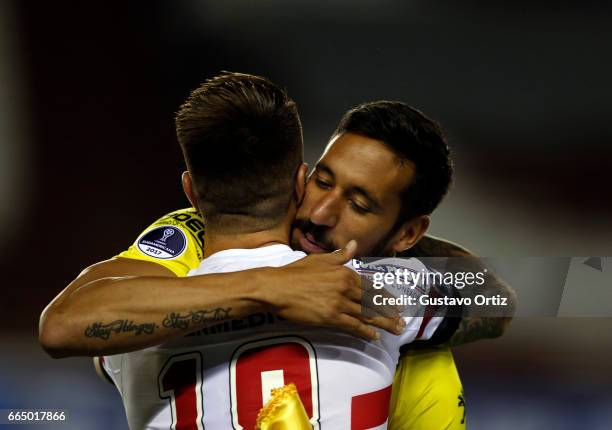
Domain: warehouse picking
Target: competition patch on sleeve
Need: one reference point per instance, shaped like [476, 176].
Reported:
[165, 242]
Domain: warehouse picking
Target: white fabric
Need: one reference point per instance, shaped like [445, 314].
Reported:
[340, 366]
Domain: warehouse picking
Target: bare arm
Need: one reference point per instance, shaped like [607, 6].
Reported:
[121, 305]
[470, 328]
[105, 310]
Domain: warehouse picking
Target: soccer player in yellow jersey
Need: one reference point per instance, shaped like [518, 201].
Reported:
[368, 186]
[427, 391]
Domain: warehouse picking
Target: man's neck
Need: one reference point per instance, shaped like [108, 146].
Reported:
[215, 241]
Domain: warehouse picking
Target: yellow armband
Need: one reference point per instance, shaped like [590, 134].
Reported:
[175, 241]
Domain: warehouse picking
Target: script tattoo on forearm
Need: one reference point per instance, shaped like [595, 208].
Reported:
[477, 328]
[174, 320]
[470, 328]
[196, 318]
[104, 331]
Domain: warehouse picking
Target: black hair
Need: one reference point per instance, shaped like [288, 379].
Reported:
[412, 136]
[241, 136]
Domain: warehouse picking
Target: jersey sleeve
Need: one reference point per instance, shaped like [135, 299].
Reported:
[175, 241]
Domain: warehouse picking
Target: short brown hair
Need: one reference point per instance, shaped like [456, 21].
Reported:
[241, 136]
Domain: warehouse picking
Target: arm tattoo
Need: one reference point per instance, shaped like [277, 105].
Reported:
[476, 328]
[191, 319]
[471, 328]
[104, 331]
[484, 326]
[183, 321]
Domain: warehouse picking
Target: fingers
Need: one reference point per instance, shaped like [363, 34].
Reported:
[356, 327]
[354, 293]
[349, 250]
[393, 325]
[369, 301]
[342, 255]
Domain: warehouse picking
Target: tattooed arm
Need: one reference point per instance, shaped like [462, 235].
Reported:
[106, 310]
[121, 305]
[470, 328]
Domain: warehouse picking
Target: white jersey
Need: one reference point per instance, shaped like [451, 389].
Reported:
[221, 376]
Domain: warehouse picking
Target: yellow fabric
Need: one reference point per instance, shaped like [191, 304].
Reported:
[427, 392]
[191, 224]
[284, 411]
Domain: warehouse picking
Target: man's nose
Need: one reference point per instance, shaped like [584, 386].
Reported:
[327, 211]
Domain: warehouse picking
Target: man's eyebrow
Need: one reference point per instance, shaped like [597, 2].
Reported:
[354, 189]
[324, 168]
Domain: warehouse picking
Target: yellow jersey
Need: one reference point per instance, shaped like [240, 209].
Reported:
[427, 393]
[175, 241]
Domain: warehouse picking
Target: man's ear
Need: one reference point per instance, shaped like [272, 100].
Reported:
[300, 183]
[188, 189]
[409, 233]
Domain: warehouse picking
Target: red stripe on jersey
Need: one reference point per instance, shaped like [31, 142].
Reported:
[426, 318]
[370, 409]
[180, 378]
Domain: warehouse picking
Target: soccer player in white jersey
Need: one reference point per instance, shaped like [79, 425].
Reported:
[328, 217]
[242, 141]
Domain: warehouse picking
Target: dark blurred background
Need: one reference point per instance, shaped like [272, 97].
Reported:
[88, 158]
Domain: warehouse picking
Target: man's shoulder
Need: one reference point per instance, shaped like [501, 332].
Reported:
[230, 260]
[175, 240]
[189, 219]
